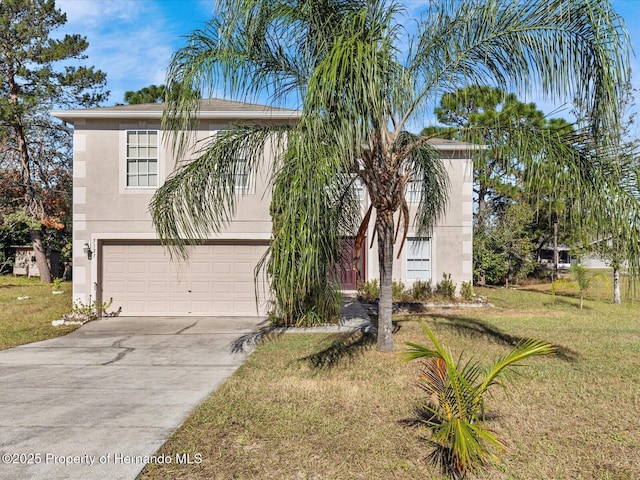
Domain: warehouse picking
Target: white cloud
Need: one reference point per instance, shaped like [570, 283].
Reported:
[95, 14]
[131, 40]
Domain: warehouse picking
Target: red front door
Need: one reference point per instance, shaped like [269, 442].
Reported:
[352, 273]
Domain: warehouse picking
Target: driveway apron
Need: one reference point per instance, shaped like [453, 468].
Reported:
[99, 402]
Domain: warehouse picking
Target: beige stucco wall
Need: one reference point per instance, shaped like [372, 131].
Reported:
[105, 209]
[452, 238]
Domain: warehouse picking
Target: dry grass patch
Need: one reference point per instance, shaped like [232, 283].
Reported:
[29, 320]
[568, 417]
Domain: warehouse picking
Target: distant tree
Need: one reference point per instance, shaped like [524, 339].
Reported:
[505, 172]
[35, 76]
[550, 191]
[448, 133]
[610, 242]
[490, 116]
[503, 245]
[150, 94]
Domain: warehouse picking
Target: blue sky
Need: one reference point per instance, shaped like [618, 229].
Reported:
[132, 40]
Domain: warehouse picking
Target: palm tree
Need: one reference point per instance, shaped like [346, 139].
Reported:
[455, 407]
[360, 79]
[583, 279]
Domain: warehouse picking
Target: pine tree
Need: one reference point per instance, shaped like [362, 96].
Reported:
[37, 74]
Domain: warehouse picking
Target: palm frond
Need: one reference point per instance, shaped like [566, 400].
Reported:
[524, 350]
[426, 167]
[558, 48]
[200, 197]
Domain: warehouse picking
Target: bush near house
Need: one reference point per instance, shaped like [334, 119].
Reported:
[420, 291]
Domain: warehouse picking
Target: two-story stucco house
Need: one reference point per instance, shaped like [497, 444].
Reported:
[120, 158]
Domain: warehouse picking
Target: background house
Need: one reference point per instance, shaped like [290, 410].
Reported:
[25, 262]
[119, 161]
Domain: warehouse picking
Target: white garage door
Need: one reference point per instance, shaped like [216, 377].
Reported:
[217, 280]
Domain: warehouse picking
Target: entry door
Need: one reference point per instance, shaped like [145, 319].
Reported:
[351, 273]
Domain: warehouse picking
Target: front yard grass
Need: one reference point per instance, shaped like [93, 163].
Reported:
[302, 407]
[29, 320]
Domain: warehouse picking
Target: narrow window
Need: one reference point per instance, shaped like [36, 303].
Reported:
[413, 192]
[242, 178]
[142, 158]
[418, 259]
[242, 172]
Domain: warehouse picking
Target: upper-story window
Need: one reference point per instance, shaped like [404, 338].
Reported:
[242, 177]
[242, 173]
[413, 192]
[142, 158]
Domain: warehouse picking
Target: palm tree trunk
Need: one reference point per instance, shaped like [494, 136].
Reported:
[384, 228]
[556, 254]
[616, 286]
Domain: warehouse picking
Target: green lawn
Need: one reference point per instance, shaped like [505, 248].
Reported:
[29, 320]
[327, 407]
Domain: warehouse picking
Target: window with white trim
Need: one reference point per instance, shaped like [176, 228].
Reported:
[242, 173]
[359, 188]
[418, 259]
[413, 192]
[142, 158]
[242, 176]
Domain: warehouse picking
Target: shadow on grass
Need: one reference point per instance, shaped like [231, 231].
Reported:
[478, 329]
[567, 303]
[346, 348]
[249, 341]
[562, 297]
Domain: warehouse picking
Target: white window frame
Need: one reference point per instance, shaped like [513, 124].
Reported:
[419, 264]
[142, 158]
[359, 188]
[248, 185]
[413, 192]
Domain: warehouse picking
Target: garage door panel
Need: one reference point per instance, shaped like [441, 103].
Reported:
[200, 287]
[218, 280]
[115, 266]
[223, 267]
[222, 288]
[244, 287]
[176, 307]
[200, 268]
[244, 308]
[225, 308]
[243, 268]
[159, 285]
[158, 267]
[201, 307]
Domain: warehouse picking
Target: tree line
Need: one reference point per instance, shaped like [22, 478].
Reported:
[37, 74]
[522, 206]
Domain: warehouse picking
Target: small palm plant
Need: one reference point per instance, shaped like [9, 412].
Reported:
[584, 279]
[461, 440]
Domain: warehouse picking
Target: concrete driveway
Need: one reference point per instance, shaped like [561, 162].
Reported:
[97, 403]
